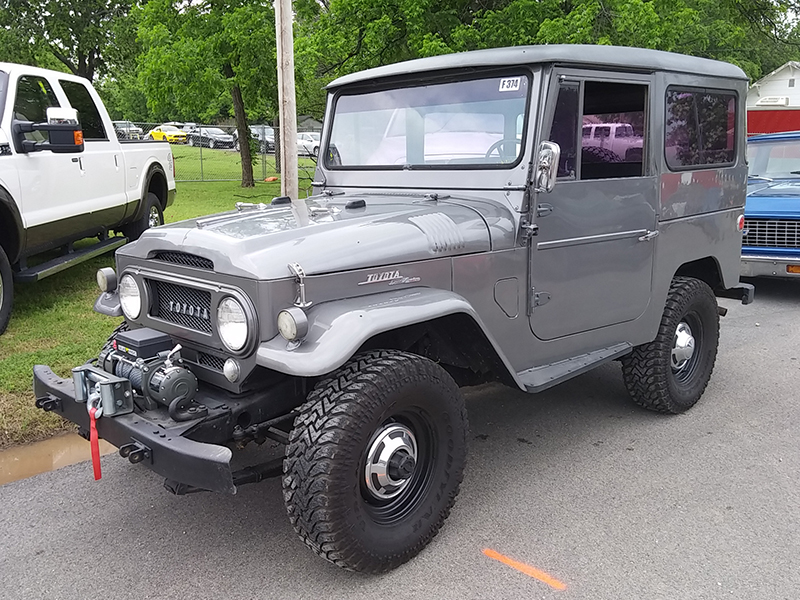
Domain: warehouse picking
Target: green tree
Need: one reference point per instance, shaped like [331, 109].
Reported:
[81, 35]
[199, 55]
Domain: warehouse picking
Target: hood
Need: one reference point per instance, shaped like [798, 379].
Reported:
[260, 241]
[778, 199]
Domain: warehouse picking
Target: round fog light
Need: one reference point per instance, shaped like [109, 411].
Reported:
[292, 323]
[231, 370]
[106, 279]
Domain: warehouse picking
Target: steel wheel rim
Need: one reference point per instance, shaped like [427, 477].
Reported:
[382, 477]
[685, 352]
[154, 219]
[397, 503]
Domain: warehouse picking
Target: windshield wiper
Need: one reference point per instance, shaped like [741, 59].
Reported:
[762, 178]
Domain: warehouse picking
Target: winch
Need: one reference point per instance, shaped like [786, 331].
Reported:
[145, 364]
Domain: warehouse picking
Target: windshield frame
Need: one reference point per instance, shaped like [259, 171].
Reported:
[439, 78]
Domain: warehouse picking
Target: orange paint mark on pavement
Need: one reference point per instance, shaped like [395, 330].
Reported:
[527, 569]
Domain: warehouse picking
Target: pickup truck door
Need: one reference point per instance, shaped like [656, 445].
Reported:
[102, 166]
[50, 183]
[592, 259]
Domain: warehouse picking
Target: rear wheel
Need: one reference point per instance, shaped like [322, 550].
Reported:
[6, 290]
[671, 373]
[375, 460]
[153, 217]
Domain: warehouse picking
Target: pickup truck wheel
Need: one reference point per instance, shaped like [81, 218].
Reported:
[671, 373]
[6, 290]
[153, 217]
[375, 460]
[210, 144]
[191, 141]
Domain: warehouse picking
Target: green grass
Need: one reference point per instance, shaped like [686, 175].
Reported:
[53, 322]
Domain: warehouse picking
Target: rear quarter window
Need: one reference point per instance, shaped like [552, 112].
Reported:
[701, 128]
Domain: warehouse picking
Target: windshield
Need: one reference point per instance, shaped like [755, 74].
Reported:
[168, 128]
[213, 130]
[475, 123]
[779, 159]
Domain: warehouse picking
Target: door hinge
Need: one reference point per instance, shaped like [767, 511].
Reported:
[528, 229]
[541, 298]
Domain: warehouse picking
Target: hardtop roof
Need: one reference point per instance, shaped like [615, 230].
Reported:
[579, 55]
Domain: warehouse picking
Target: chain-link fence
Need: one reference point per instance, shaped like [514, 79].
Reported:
[211, 152]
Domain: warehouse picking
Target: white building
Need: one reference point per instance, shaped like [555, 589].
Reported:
[773, 102]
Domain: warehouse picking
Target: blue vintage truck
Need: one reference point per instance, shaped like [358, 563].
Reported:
[771, 243]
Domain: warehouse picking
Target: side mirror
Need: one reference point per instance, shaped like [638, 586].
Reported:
[65, 133]
[547, 166]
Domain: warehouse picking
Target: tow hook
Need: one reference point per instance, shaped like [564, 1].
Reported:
[135, 452]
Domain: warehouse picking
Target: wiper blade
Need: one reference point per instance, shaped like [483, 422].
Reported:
[762, 178]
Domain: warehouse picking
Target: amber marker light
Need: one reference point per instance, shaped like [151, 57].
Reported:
[78, 137]
[793, 269]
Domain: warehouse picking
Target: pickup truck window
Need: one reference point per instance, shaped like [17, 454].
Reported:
[454, 124]
[34, 97]
[89, 116]
[701, 128]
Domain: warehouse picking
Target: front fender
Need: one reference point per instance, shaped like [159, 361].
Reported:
[339, 328]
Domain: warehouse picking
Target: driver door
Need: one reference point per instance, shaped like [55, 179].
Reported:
[592, 258]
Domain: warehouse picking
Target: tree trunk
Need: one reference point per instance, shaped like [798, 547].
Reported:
[244, 136]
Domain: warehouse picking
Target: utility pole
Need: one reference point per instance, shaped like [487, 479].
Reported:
[287, 105]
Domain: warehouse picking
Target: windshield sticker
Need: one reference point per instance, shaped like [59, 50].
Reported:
[510, 84]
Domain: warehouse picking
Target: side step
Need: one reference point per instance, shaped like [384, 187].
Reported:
[58, 264]
[539, 379]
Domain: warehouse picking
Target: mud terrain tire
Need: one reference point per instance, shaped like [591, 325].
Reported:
[331, 484]
[665, 375]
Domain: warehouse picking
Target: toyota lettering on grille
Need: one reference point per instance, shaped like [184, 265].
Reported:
[189, 310]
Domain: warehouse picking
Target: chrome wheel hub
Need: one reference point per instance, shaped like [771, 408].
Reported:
[153, 220]
[391, 461]
[682, 347]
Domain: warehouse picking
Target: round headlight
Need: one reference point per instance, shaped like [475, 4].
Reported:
[130, 297]
[107, 279]
[292, 323]
[232, 324]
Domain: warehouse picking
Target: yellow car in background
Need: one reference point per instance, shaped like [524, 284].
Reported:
[169, 133]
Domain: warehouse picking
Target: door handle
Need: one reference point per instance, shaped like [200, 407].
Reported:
[650, 235]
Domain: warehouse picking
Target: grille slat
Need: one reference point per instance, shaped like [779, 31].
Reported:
[211, 361]
[184, 306]
[188, 260]
[771, 233]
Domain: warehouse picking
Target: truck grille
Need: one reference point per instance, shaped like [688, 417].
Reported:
[771, 233]
[181, 305]
[212, 362]
[182, 258]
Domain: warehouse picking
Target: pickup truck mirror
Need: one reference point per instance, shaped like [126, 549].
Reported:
[63, 127]
[547, 166]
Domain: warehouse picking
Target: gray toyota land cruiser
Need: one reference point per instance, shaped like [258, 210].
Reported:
[462, 230]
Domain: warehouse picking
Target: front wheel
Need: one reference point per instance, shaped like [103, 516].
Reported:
[210, 144]
[6, 290]
[671, 373]
[191, 141]
[375, 460]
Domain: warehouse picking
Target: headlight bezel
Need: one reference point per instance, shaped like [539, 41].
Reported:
[126, 277]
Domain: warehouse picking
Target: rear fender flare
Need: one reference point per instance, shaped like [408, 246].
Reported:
[153, 170]
[337, 329]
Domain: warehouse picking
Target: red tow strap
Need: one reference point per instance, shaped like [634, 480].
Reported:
[94, 441]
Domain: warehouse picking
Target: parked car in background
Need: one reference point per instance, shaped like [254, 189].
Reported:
[771, 242]
[126, 130]
[55, 189]
[263, 133]
[308, 143]
[212, 137]
[619, 138]
[168, 133]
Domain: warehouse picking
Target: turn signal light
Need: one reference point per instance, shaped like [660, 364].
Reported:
[740, 223]
[78, 137]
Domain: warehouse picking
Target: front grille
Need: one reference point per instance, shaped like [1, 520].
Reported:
[184, 306]
[212, 362]
[189, 260]
[771, 233]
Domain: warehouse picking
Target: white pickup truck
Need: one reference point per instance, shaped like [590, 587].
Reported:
[65, 176]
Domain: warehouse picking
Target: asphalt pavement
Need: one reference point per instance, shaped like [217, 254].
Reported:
[610, 500]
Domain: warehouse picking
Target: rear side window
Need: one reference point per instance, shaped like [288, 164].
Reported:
[701, 128]
[34, 97]
[88, 115]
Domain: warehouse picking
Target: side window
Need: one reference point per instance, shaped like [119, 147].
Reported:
[89, 116]
[609, 135]
[34, 97]
[701, 128]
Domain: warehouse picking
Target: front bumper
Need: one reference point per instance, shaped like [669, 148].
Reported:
[756, 265]
[165, 449]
